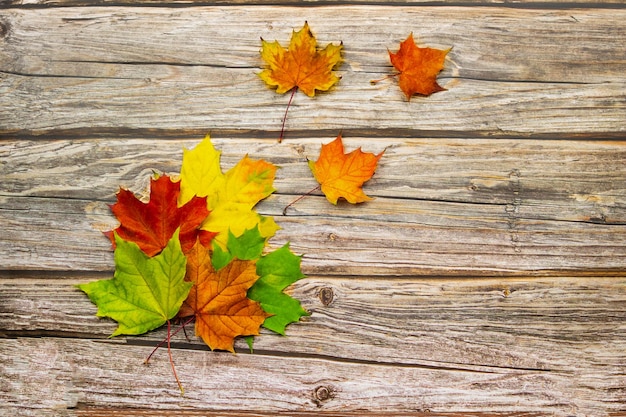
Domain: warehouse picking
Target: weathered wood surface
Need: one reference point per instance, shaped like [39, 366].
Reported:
[505, 3]
[463, 324]
[444, 207]
[459, 349]
[111, 69]
[486, 278]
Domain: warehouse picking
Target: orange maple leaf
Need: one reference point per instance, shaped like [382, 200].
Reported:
[219, 299]
[343, 175]
[418, 68]
[301, 65]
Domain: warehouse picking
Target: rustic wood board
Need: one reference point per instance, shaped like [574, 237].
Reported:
[516, 323]
[528, 208]
[315, 3]
[108, 69]
[71, 372]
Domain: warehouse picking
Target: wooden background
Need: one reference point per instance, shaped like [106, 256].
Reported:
[488, 276]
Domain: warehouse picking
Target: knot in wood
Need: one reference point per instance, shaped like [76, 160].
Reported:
[326, 295]
[4, 28]
[322, 393]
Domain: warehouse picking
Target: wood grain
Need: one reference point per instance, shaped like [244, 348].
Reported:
[539, 324]
[558, 344]
[136, 68]
[108, 374]
[543, 4]
[486, 278]
[575, 177]
[442, 207]
[106, 412]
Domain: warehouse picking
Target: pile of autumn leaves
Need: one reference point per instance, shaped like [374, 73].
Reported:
[197, 250]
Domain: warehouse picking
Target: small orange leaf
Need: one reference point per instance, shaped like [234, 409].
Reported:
[343, 175]
[219, 299]
[418, 68]
[301, 65]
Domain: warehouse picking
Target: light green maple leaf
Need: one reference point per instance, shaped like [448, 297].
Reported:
[145, 292]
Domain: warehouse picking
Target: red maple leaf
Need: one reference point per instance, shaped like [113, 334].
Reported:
[151, 225]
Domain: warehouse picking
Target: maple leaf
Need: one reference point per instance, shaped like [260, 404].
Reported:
[277, 270]
[230, 197]
[247, 246]
[418, 68]
[152, 224]
[144, 292]
[218, 299]
[301, 65]
[343, 175]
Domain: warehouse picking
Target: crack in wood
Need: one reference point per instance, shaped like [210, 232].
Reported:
[513, 209]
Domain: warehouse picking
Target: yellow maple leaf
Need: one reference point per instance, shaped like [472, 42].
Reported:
[301, 65]
[231, 197]
[343, 175]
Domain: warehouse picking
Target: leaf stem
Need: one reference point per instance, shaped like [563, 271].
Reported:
[162, 342]
[169, 352]
[384, 78]
[282, 129]
[299, 198]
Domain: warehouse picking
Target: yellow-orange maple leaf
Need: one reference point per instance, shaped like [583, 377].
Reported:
[301, 65]
[219, 299]
[343, 175]
[418, 68]
[230, 197]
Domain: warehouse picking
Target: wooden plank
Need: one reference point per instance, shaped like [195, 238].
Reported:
[134, 68]
[572, 180]
[67, 373]
[444, 207]
[435, 238]
[99, 412]
[438, 238]
[459, 326]
[474, 324]
[186, 3]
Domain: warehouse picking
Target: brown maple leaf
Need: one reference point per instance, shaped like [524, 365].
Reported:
[343, 175]
[301, 65]
[219, 299]
[418, 68]
[151, 225]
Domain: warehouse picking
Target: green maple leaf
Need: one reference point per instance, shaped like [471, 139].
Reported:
[246, 247]
[277, 270]
[145, 292]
